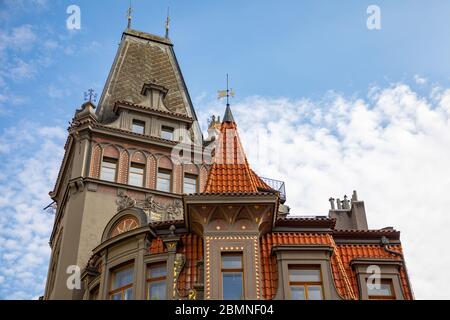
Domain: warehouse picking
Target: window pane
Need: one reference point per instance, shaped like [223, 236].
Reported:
[231, 262]
[167, 133]
[163, 181]
[304, 275]
[157, 290]
[232, 285]
[136, 176]
[116, 296]
[382, 289]
[190, 185]
[157, 271]
[128, 294]
[108, 171]
[298, 293]
[314, 292]
[138, 127]
[122, 278]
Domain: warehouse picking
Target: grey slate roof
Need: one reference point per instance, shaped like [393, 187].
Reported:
[144, 58]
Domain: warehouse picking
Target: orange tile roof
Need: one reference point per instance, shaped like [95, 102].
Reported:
[343, 274]
[354, 251]
[192, 248]
[191, 245]
[230, 171]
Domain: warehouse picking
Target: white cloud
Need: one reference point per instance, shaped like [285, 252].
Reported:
[30, 157]
[20, 38]
[420, 80]
[393, 147]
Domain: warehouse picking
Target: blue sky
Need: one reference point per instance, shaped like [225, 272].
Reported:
[375, 102]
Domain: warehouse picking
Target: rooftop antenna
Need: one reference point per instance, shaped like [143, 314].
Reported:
[167, 23]
[129, 11]
[226, 93]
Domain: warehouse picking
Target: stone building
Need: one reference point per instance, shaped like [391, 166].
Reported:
[149, 209]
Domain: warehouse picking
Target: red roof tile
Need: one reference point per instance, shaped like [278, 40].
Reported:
[230, 171]
[343, 274]
[192, 248]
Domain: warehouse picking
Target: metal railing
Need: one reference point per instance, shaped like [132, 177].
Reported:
[277, 186]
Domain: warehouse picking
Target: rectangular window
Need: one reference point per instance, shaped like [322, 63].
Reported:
[305, 283]
[136, 175]
[167, 133]
[232, 276]
[122, 284]
[108, 170]
[156, 281]
[164, 180]
[190, 184]
[138, 126]
[383, 291]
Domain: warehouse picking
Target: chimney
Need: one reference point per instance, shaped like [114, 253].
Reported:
[349, 216]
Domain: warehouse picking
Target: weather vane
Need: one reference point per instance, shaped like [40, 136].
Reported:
[129, 11]
[225, 93]
[90, 95]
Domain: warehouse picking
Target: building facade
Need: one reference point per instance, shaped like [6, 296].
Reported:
[147, 208]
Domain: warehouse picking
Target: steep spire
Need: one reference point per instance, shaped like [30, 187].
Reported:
[230, 171]
[228, 116]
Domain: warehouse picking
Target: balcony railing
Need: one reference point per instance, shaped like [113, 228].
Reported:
[277, 186]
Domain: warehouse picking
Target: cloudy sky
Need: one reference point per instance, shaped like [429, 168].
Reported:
[323, 103]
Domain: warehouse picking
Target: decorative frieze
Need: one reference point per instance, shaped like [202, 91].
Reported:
[155, 211]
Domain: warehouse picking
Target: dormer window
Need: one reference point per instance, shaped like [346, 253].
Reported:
[138, 126]
[167, 133]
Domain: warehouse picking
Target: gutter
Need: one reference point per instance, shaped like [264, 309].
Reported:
[385, 244]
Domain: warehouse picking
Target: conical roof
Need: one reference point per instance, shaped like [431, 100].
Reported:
[230, 171]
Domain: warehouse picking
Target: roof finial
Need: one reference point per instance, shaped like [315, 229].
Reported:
[90, 95]
[129, 11]
[228, 117]
[167, 23]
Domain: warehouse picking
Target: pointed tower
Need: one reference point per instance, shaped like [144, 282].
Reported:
[118, 173]
[230, 171]
[235, 210]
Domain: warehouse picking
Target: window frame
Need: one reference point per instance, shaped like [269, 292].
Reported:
[383, 297]
[170, 129]
[232, 270]
[305, 284]
[122, 289]
[149, 280]
[138, 123]
[140, 166]
[109, 160]
[170, 172]
[191, 176]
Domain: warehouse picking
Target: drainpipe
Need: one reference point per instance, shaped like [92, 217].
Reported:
[385, 244]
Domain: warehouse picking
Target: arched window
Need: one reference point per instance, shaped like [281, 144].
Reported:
[125, 224]
[108, 170]
[164, 175]
[136, 175]
[190, 179]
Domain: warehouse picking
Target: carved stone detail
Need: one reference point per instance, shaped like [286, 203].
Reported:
[155, 211]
